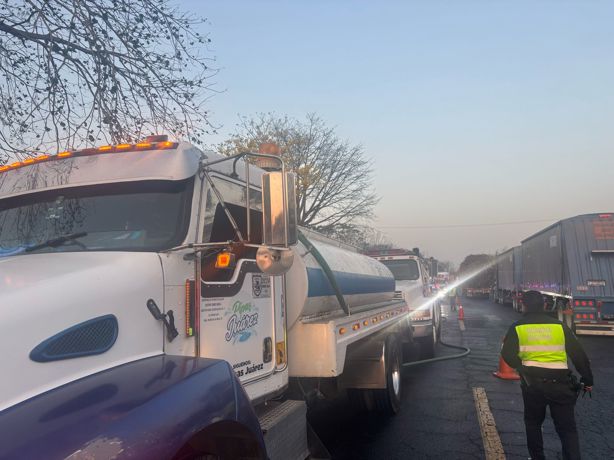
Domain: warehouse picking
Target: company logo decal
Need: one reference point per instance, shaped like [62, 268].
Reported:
[242, 322]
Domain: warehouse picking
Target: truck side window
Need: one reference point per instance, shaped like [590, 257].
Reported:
[218, 228]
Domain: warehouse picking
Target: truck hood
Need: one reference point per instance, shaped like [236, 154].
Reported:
[42, 295]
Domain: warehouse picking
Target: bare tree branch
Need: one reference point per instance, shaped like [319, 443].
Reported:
[334, 186]
[75, 73]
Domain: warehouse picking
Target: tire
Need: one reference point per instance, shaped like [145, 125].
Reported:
[359, 399]
[427, 345]
[388, 400]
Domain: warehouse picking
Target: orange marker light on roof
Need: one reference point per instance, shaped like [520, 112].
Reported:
[4, 168]
[41, 157]
[144, 145]
[165, 145]
[105, 148]
[17, 164]
[123, 146]
[64, 154]
[28, 161]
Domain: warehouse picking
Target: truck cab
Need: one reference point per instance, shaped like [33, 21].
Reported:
[114, 255]
[413, 285]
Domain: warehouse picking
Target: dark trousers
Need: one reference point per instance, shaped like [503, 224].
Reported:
[562, 401]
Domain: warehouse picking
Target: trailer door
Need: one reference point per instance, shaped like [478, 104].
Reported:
[589, 244]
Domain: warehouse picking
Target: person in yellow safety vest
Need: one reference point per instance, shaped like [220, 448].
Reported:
[538, 346]
[452, 298]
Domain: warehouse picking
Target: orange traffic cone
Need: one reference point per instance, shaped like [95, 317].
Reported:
[461, 313]
[505, 372]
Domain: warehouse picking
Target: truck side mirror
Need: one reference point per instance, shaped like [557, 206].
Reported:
[279, 227]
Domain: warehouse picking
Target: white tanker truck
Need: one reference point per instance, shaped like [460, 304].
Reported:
[159, 302]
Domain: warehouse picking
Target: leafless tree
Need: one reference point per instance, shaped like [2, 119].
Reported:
[335, 189]
[446, 266]
[77, 72]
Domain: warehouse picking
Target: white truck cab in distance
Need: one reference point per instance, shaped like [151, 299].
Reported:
[412, 281]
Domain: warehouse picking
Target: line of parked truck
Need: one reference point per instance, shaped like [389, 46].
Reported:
[572, 264]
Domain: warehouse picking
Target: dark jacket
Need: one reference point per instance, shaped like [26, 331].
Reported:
[574, 350]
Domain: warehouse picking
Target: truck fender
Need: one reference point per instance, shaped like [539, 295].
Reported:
[160, 407]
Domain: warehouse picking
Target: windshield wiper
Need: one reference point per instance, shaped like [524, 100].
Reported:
[55, 242]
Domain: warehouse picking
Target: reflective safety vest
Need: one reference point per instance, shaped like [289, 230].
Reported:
[542, 345]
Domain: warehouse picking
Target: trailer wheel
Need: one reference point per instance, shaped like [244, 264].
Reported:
[388, 400]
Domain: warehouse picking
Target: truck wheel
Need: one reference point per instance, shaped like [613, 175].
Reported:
[427, 344]
[388, 400]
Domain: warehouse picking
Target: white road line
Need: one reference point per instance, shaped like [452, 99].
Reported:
[490, 436]
[461, 324]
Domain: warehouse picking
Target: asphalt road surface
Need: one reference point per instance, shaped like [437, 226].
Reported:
[439, 418]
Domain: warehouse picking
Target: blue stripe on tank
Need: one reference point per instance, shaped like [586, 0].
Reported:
[349, 283]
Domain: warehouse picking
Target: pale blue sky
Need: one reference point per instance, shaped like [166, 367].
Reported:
[473, 111]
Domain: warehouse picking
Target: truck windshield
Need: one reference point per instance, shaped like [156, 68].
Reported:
[136, 216]
[403, 269]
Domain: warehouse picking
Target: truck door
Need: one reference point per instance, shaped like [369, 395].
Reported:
[238, 303]
[237, 321]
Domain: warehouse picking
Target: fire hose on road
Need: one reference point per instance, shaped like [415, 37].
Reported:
[465, 352]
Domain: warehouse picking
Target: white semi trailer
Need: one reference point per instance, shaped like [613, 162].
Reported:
[159, 302]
